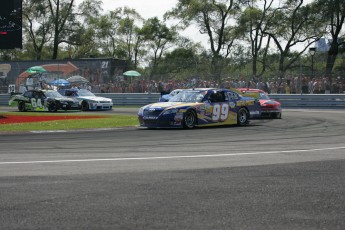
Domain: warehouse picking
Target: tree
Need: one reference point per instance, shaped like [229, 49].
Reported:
[37, 24]
[85, 38]
[295, 24]
[215, 19]
[107, 34]
[64, 22]
[129, 38]
[333, 11]
[253, 23]
[182, 62]
[159, 38]
[118, 35]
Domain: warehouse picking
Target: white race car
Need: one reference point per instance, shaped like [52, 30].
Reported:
[89, 101]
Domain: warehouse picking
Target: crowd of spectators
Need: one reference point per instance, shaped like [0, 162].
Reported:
[288, 85]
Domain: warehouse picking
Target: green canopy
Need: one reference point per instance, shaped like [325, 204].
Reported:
[131, 73]
[36, 69]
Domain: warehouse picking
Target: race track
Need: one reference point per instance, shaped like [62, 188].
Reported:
[271, 174]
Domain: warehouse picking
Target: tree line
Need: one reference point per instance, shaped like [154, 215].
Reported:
[255, 38]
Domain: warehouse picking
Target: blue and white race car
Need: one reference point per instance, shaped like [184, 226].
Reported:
[200, 107]
[88, 100]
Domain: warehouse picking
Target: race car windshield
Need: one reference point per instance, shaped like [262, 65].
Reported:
[174, 92]
[264, 96]
[188, 96]
[53, 94]
[85, 93]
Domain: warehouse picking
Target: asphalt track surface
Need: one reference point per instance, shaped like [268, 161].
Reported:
[271, 174]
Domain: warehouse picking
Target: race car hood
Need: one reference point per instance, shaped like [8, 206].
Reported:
[166, 96]
[16, 98]
[164, 105]
[95, 98]
[264, 102]
[62, 99]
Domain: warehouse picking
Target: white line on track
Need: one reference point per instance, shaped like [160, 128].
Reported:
[73, 130]
[49, 131]
[316, 110]
[169, 157]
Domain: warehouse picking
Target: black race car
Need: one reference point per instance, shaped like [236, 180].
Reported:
[43, 100]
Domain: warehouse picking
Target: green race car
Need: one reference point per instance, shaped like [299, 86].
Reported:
[43, 100]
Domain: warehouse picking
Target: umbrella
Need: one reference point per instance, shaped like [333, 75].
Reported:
[131, 73]
[36, 69]
[77, 79]
[59, 82]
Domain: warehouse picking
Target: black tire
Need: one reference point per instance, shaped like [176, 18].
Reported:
[242, 117]
[21, 106]
[84, 106]
[277, 115]
[53, 107]
[189, 119]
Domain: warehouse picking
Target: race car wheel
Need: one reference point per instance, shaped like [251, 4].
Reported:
[277, 115]
[21, 106]
[67, 108]
[85, 106]
[53, 107]
[242, 117]
[189, 119]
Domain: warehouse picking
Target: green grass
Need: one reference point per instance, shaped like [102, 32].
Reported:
[109, 121]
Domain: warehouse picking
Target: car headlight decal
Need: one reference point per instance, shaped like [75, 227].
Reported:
[270, 103]
[170, 111]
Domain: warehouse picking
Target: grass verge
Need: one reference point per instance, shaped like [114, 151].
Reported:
[107, 121]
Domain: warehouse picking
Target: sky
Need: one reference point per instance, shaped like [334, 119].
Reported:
[146, 8]
[149, 8]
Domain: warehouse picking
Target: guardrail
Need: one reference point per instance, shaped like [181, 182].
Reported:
[4, 98]
[331, 101]
[131, 98]
[287, 100]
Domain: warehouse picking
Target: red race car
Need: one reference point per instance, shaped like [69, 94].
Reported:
[269, 107]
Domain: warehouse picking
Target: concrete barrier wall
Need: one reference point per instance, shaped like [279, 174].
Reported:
[287, 100]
